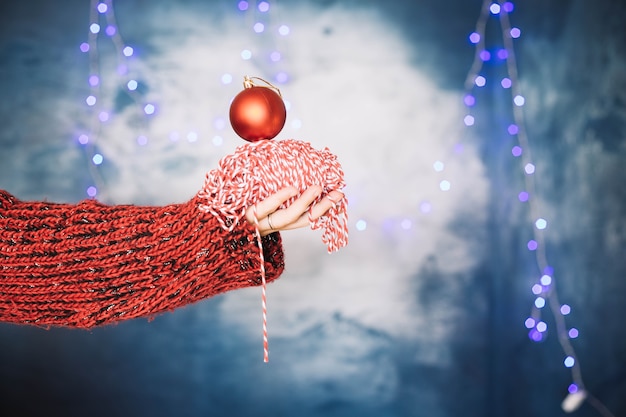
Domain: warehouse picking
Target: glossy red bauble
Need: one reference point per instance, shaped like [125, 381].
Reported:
[257, 113]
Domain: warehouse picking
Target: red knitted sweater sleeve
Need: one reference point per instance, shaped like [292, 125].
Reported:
[88, 264]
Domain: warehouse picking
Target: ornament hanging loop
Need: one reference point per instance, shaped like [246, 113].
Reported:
[248, 82]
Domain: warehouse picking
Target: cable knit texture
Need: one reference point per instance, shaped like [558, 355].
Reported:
[89, 264]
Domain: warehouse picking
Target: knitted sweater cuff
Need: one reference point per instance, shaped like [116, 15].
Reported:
[91, 264]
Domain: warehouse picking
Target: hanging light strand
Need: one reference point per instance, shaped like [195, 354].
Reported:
[529, 181]
[545, 289]
[102, 12]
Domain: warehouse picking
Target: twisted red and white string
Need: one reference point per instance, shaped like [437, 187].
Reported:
[266, 353]
[257, 170]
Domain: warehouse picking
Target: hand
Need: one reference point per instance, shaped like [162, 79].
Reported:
[271, 219]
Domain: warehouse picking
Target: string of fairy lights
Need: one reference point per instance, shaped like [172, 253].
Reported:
[544, 289]
[103, 27]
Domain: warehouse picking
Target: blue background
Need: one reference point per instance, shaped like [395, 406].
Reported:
[447, 337]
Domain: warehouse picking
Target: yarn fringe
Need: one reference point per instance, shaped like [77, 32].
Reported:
[259, 169]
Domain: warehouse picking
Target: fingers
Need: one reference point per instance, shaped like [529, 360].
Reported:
[271, 203]
[325, 204]
[297, 214]
[283, 219]
[317, 211]
[297, 208]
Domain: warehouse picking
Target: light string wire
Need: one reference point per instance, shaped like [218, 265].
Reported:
[95, 125]
[577, 390]
[103, 10]
[262, 17]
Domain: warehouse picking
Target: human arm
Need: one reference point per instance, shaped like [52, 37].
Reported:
[89, 264]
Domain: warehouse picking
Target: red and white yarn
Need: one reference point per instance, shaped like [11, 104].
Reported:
[266, 352]
[257, 170]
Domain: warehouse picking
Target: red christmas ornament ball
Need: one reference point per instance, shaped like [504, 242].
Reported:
[257, 113]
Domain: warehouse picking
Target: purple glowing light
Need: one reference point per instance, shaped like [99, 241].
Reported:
[572, 389]
[532, 245]
[573, 333]
[243, 6]
[142, 140]
[529, 323]
[542, 326]
[258, 27]
[494, 8]
[474, 37]
[103, 116]
[94, 80]
[540, 302]
[541, 224]
[426, 207]
[565, 309]
[263, 6]
[515, 33]
[484, 55]
[508, 7]
[469, 100]
[282, 77]
[503, 54]
[468, 120]
[149, 109]
[513, 129]
[102, 7]
[275, 56]
[523, 196]
[110, 30]
[84, 47]
[92, 191]
[219, 123]
[535, 336]
[83, 139]
[516, 151]
[480, 81]
[174, 136]
[537, 289]
[506, 83]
